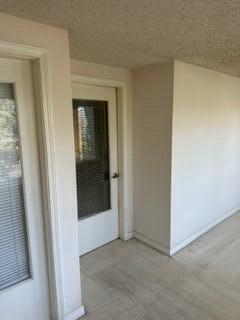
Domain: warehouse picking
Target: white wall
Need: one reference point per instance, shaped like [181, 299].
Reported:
[206, 151]
[56, 42]
[115, 77]
[186, 133]
[152, 132]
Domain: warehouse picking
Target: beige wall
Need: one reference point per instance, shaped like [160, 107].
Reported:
[152, 134]
[206, 151]
[56, 42]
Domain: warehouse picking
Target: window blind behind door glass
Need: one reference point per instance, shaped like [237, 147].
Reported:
[14, 257]
[92, 156]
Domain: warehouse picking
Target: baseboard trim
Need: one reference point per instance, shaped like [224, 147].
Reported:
[172, 251]
[201, 232]
[129, 236]
[76, 314]
[152, 243]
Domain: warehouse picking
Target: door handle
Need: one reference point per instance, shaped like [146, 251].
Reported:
[115, 175]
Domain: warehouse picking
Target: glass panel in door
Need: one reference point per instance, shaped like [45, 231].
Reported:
[14, 258]
[92, 156]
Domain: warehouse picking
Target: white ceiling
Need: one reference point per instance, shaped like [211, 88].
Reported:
[133, 33]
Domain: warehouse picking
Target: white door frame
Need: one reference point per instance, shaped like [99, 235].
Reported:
[39, 57]
[124, 122]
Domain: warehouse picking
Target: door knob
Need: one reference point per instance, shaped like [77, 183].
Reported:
[115, 175]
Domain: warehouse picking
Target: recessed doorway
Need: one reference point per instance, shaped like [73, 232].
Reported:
[96, 159]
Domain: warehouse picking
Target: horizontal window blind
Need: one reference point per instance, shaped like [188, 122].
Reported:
[14, 258]
[92, 156]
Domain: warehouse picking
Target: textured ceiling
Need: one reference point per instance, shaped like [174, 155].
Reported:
[133, 33]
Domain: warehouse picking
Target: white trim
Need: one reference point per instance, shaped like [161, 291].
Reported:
[16, 50]
[125, 138]
[76, 314]
[152, 243]
[98, 81]
[129, 235]
[173, 250]
[45, 123]
[201, 232]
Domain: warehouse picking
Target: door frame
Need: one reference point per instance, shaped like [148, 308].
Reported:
[124, 137]
[44, 119]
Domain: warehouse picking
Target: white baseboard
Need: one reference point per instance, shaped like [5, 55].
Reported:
[199, 233]
[76, 314]
[129, 236]
[173, 250]
[152, 243]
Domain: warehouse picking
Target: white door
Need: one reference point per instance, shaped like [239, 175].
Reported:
[23, 272]
[95, 133]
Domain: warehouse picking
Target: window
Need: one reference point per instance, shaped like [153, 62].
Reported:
[92, 156]
[14, 261]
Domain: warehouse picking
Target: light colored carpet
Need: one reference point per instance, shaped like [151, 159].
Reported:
[131, 281]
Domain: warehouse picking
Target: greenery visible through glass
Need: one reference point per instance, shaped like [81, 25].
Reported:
[87, 150]
[90, 118]
[14, 264]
